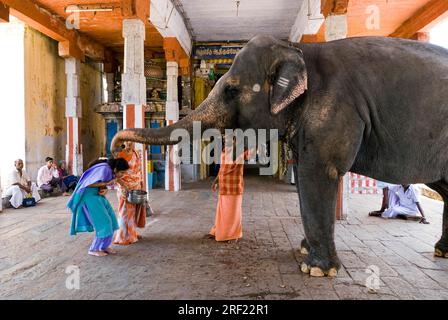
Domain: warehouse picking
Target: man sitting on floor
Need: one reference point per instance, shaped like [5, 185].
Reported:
[403, 201]
[48, 176]
[19, 185]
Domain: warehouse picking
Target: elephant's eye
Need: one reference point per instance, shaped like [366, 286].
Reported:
[232, 92]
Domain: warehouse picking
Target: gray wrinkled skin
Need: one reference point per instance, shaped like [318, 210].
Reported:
[374, 106]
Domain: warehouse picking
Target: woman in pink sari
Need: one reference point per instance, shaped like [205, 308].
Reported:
[130, 216]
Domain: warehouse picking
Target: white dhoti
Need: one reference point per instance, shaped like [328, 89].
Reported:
[401, 203]
[399, 210]
[17, 195]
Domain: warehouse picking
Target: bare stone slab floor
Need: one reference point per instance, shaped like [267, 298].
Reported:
[175, 261]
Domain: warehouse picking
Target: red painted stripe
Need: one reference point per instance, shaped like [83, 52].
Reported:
[130, 116]
[340, 199]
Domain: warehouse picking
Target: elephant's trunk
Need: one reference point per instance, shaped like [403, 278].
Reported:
[209, 113]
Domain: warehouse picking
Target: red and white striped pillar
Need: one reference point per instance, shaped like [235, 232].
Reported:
[134, 82]
[73, 113]
[172, 165]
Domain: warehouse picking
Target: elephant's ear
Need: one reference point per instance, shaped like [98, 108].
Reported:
[288, 80]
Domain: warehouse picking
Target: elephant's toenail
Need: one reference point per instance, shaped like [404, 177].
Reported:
[304, 267]
[316, 272]
[304, 251]
[333, 272]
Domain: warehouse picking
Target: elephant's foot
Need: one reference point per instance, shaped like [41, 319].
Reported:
[304, 247]
[441, 250]
[318, 267]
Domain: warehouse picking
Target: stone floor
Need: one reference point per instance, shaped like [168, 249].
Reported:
[173, 261]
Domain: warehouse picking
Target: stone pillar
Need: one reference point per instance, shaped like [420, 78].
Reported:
[73, 113]
[172, 165]
[110, 80]
[134, 82]
[335, 29]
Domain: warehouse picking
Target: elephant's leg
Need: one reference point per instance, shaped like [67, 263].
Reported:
[441, 247]
[304, 246]
[318, 194]
[328, 144]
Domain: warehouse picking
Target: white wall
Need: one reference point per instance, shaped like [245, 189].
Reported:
[439, 34]
[12, 96]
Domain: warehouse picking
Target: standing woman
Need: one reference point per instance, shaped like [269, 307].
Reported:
[229, 211]
[130, 216]
[90, 208]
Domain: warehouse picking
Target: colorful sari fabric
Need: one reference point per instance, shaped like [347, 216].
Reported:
[130, 216]
[90, 210]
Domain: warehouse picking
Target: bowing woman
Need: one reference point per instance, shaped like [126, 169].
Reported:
[90, 209]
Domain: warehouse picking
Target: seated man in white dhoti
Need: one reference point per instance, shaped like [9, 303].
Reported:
[404, 202]
[384, 186]
[19, 185]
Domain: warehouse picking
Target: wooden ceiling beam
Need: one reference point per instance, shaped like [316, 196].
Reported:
[334, 7]
[422, 36]
[135, 9]
[185, 67]
[313, 38]
[424, 16]
[173, 50]
[110, 63]
[40, 20]
[71, 43]
[4, 13]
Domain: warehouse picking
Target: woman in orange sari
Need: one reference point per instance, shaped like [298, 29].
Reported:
[229, 211]
[130, 216]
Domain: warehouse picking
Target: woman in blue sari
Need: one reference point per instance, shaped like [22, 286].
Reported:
[90, 209]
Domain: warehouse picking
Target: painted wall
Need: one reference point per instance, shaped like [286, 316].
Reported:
[45, 92]
[93, 125]
[45, 88]
[438, 34]
[12, 86]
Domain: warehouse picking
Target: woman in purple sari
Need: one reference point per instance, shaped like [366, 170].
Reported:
[90, 209]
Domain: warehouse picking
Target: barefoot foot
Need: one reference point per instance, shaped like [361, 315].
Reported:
[98, 253]
[110, 251]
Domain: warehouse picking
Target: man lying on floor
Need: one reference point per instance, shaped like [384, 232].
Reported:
[403, 201]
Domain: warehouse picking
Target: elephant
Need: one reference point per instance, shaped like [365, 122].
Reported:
[374, 106]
